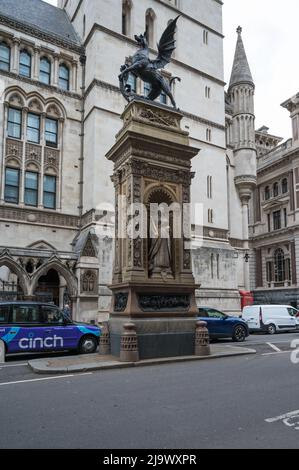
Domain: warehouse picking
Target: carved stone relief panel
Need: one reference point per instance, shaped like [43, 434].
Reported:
[33, 153]
[51, 158]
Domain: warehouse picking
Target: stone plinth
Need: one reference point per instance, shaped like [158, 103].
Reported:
[153, 284]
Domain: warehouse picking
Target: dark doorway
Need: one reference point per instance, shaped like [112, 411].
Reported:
[48, 288]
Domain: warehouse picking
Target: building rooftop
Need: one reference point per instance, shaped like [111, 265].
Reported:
[42, 16]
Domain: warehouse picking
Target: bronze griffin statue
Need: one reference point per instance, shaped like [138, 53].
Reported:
[148, 70]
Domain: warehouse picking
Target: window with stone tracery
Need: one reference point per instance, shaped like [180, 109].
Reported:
[32, 163]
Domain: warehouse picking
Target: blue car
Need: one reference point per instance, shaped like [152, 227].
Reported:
[37, 327]
[223, 326]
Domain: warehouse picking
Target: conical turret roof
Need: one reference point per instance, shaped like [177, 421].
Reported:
[241, 71]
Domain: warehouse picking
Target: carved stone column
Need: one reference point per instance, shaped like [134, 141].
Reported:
[15, 55]
[36, 63]
[56, 70]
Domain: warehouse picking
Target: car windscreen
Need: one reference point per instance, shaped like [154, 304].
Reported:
[202, 313]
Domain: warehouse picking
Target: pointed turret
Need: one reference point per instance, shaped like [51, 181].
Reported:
[242, 137]
[241, 73]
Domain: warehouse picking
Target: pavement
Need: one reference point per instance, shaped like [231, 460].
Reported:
[94, 362]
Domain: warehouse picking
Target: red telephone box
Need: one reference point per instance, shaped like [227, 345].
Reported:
[246, 298]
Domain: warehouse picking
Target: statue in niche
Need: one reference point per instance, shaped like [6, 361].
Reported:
[147, 69]
[160, 252]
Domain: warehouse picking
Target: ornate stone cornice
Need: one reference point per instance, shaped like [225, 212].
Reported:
[292, 104]
[285, 232]
[38, 217]
[43, 35]
[140, 168]
[282, 163]
[246, 180]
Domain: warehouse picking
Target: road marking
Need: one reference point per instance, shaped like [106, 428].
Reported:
[274, 347]
[276, 353]
[45, 378]
[284, 418]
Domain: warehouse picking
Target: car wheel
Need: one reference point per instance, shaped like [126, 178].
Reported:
[271, 329]
[88, 345]
[239, 334]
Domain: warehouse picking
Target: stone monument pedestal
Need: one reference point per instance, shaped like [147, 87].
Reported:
[153, 286]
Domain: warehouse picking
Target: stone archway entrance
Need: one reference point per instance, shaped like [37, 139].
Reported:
[55, 282]
[48, 288]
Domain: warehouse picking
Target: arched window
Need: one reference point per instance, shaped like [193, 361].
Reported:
[275, 189]
[284, 186]
[150, 27]
[45, 71]
[267, 193]
[279, 265]
[64, 77]
[25, 64]
[126, 17]
[4, 56]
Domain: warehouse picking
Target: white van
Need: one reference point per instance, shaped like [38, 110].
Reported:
[271, 318]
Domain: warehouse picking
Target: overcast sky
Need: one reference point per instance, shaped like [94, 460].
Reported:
[270, 37]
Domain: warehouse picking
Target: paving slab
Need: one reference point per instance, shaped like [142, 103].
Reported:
[92, 362]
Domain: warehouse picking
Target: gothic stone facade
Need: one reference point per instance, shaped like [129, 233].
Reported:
[275, 224]
[59, 115]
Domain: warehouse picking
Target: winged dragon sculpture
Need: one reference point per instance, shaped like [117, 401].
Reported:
[148, 70]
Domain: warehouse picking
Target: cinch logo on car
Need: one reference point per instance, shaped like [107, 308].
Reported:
[39, 343]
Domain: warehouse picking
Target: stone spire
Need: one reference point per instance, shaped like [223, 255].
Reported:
[241, 71]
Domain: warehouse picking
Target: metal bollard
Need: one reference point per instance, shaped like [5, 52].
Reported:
[129, 344]
[2, 352]
[202, 339]
[105, 348]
